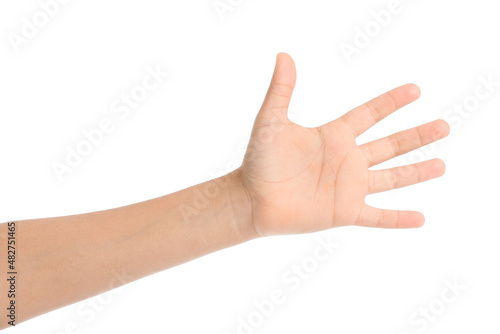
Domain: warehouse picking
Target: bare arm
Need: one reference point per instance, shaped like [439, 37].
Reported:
[293, 180]
[67, 259]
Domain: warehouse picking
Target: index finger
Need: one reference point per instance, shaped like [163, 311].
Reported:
[368, 114]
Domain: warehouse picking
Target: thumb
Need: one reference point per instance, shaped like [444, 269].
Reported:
[280, 91]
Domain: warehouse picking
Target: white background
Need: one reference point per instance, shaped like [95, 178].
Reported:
[65, 78]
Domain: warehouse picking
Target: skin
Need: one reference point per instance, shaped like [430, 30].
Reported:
[293, 180]
[308, 179]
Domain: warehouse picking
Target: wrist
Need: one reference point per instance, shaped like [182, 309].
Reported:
[240, 205]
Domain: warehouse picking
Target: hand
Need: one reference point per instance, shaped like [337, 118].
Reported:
[301, 179]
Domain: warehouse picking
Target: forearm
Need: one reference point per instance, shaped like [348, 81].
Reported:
[66, 259]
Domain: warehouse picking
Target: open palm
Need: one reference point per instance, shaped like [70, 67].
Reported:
[308, 179]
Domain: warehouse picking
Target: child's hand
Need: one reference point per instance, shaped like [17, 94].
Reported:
[308, 179]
